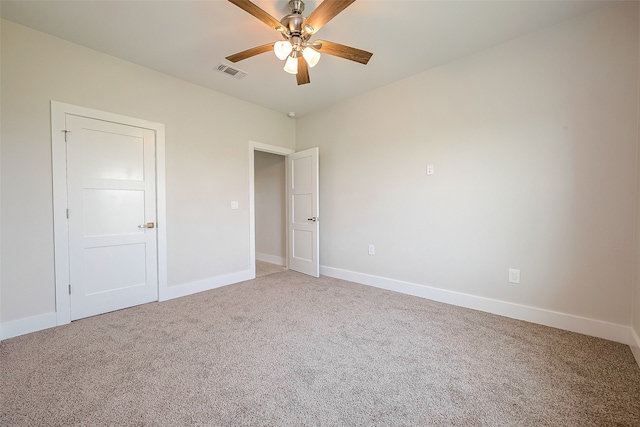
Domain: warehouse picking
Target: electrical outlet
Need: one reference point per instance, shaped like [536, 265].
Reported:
[372, 249]
[429, 169]
[514, 275]
[234, 205]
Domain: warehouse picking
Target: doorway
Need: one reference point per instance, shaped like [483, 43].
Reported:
[270, 212]
[257, 149]
[302, 208]
[267, 208]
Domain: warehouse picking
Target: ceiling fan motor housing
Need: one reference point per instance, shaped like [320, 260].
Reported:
[296, 32]
[293, 24]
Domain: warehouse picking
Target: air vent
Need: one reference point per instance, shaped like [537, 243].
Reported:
[233, 72]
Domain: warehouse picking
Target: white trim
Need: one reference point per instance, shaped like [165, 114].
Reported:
[272, 259]
[634, 344]
[27, 325]
[572, 323]
[207, 284]
[161, 213]
[273, 149]
[569, 322]
[60, 224]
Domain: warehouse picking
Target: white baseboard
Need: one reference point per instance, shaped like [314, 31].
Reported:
[568, 322]
[185, 289]
[596, 328]
[634, 344]
[48, 320]
[272, 259]
[27, 325]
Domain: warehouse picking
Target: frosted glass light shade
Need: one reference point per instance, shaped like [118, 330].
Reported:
[291, 66]
[282, 49]
[311, 56]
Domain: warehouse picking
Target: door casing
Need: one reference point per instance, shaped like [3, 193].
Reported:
[59, 111]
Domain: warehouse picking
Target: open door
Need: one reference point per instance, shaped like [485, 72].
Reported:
[303, 192]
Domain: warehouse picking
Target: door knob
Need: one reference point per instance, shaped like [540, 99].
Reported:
[147, 225]
[313, 218]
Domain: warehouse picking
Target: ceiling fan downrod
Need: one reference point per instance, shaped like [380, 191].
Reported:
[296, 6]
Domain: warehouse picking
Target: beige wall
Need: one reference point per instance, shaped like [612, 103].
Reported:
[207, 136]
[270, 201]
[534, 147]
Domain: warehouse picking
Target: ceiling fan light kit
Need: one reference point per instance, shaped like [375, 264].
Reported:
[311, 56]
[282, 49]
[291, 65]
[297, 49]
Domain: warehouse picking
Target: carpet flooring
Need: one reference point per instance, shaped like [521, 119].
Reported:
[290, 350]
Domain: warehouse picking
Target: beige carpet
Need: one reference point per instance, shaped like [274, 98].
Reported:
[289, 350]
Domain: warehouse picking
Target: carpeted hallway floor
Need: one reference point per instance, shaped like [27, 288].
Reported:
[289, 350]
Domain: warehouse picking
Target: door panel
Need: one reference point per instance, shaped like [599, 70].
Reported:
[303, 171]
[302, 207]
[114, 267]
[119, 158]
[109, 211]
[304, 243]
[111, 193]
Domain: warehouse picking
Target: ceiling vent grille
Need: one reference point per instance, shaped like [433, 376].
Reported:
[233, 72]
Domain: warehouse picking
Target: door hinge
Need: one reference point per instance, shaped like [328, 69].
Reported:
[67, 213]
[69, 288]
[66, 132]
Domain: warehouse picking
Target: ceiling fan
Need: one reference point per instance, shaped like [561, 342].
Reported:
[297, 49]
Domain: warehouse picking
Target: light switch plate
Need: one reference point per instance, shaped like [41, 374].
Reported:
[234, 205]
[514, 275]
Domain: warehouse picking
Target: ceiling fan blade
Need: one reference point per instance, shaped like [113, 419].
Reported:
[250, 52]
[327, 10]
[254, 10]
[303, 72]
[346, 52]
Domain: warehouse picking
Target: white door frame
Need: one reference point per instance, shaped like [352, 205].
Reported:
[273, 149]
[60, 224]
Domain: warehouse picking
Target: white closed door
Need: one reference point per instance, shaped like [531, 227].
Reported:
[304, 225]
[112, 216]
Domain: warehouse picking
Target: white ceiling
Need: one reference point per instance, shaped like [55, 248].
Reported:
[188, 39]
